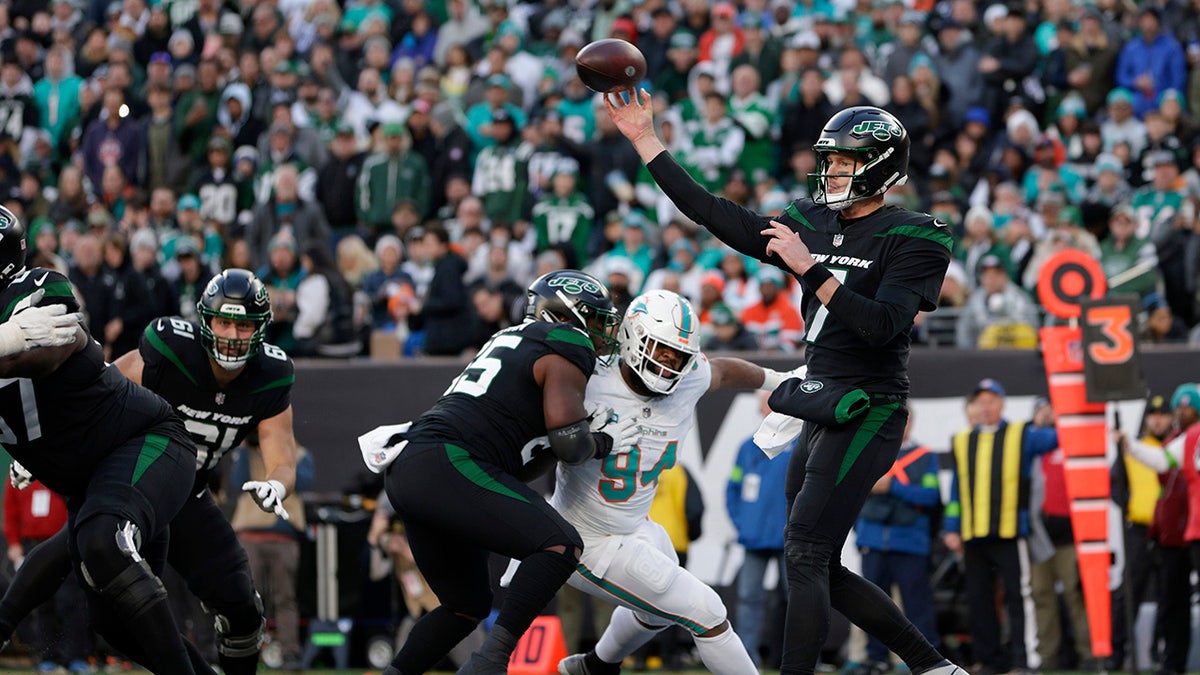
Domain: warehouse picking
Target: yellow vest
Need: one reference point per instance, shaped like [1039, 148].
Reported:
[669, 507]
[1144, 488]
[991, 491]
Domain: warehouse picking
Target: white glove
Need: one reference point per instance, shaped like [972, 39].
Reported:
[625, 433]
[268, 494]
[773, 378]
[600, 416]
[18, 476]
[33, 326]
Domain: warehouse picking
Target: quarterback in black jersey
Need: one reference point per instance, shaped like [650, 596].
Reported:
[113, 449]
[866, 270]
[224, 383]
[455, 483]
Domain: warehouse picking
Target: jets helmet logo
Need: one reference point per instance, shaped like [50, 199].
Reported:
[811, 386]
[880, 130]
[260, 295]
[574, 286]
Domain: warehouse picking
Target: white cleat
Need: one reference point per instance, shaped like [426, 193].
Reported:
[573, 665]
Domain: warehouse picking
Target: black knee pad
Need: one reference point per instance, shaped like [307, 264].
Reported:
[133, 591]
[107, 545]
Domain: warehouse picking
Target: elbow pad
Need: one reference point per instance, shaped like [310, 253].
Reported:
[573, 444]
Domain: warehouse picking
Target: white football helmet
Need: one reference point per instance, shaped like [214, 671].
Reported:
[654, 319]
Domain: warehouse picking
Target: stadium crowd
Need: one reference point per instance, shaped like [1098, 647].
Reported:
[406, 168]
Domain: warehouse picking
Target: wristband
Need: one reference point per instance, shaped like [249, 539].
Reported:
[816, 276]
[771, 379]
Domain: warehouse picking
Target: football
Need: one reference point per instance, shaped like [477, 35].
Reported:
[610, 65]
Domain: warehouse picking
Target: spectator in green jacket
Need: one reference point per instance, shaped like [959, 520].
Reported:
[390, 176]
[1130, 263]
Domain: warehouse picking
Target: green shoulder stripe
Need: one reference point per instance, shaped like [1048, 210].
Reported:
[936, 235]
[54, 289]
[168, 353]
[285, 381]
[794, 212]
[570, 336]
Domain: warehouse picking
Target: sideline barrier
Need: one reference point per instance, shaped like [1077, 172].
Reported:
[334, 402]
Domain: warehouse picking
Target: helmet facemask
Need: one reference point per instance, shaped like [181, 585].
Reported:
[232, 353]
[858, 187]
[657, 324]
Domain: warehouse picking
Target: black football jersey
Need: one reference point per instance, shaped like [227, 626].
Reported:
[890, 247]
[177, 368]
[61, 424]
[494, 407]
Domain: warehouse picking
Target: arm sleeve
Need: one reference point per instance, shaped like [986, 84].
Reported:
[877, 320]
[911, 282]
[1151, 456]
[731, 223]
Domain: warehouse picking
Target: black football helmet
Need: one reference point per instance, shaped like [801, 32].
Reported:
[879, 143]
[571, 296]
[12, 247]
[234, 294]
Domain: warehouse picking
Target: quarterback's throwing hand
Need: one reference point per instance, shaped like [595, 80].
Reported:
[785, 243]
[268, 494]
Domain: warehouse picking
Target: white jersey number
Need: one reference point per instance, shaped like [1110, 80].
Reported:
[211, 446]
[818, 321]
[33, 425]
[485, 366]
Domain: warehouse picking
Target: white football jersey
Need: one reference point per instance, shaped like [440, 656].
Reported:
[613, 496]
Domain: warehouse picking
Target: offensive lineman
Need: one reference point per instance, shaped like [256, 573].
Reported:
[455, 485]
[866, 269]
[628, 558]
[224, 382]
[114, 450]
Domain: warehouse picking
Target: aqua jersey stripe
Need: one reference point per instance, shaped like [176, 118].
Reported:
[936, 235]
[465, 465]
[281, 382]
[571, 336]
[54, 289]
[794, 212]
[152, 449]
[871, 425]
[168, 353]
[631, 599]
